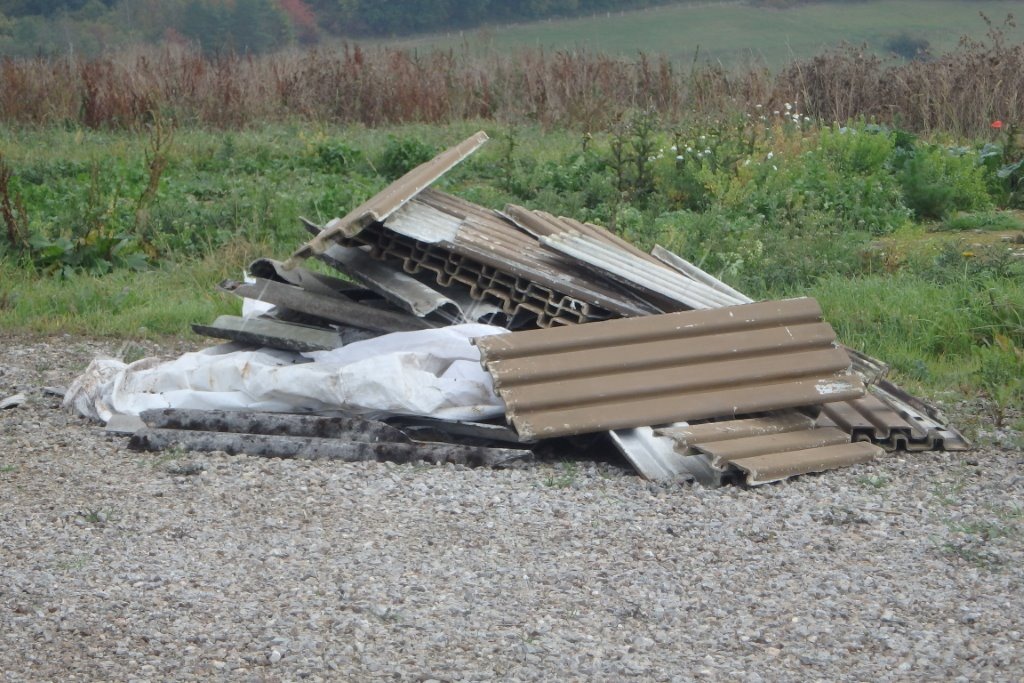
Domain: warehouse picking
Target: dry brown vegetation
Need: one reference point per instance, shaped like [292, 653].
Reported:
[960, 92]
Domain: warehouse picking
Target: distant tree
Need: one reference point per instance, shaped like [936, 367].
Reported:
[303, 19]
[908, 46]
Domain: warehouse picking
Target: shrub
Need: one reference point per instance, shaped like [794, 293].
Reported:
[937, 182]
[402, 154]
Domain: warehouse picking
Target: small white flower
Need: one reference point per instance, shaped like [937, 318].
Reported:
[707, 151]
[746, 162]
[771, 154]
[777, 112]
[789, 107]
[700, 155]
[673, 148]
[807, 119]
[774, 167]
[689, 150]
[757, 106]
[679, 157]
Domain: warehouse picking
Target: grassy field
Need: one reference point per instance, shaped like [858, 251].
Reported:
[901, 239]
[736, 33]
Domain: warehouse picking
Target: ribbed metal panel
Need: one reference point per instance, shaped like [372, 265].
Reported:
[543, 224]
[875, 418]
[390, 199]
[683, 266]
[601, 376]
[770, 467]
[638, 272]
[764, 449]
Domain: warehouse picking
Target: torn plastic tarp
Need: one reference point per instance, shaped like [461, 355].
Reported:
[435, 373]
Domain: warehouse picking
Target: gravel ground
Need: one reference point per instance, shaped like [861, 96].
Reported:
[119, 566]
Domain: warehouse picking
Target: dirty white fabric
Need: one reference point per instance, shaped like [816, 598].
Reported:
[435, 373]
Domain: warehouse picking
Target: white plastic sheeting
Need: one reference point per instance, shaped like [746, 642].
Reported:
[435, 373]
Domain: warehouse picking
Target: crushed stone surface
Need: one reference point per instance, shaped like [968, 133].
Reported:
[117, 565]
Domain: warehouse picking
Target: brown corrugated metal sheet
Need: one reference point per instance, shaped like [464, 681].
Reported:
[888, 420]
[765, 449]
[602, 376]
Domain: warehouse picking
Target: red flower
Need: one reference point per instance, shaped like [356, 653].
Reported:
[997, 124]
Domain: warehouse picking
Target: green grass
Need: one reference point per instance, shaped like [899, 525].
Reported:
[148, 305]
[735, 33]
[984, 221]
[945, 312]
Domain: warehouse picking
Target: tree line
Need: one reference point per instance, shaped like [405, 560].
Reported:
[257, 26]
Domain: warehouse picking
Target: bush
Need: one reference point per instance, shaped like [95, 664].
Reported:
[938, 182]
[401, 155]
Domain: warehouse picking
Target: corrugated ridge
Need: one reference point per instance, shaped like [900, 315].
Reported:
[683, 325]
[646, 355]
[769, 467]
[661, 409]
[636, 272]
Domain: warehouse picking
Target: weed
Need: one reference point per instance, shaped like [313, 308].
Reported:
[8, 468]
[12, 209]
[565, 478]
[1000, 374]
[402, 154]
[879, 481]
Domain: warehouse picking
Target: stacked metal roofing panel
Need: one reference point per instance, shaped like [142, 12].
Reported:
[765, 449]
[686, 375]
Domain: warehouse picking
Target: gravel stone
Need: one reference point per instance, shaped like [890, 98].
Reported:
[118, 565]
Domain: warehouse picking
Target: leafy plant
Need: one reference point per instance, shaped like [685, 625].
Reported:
[938, 181]
[402, 154]
[1001, 375]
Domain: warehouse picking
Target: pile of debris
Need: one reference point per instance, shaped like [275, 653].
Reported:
[576, 332]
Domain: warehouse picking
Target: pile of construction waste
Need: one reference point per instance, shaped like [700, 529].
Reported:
[463, 334]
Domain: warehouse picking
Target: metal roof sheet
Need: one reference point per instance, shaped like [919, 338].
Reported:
[883, 416]
[638, 273]
[579, 379]
[764, 449]
[333, 308]
[390, 199]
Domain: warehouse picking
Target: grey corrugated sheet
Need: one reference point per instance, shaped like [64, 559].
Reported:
[652, 455]
[400, 289]
[543, 224]
[603, 376]
[333, 308]
[389, 200]
[665, 256]
[765, 449]
[638, 272]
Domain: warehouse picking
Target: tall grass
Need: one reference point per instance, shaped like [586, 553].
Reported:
[960, 92]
